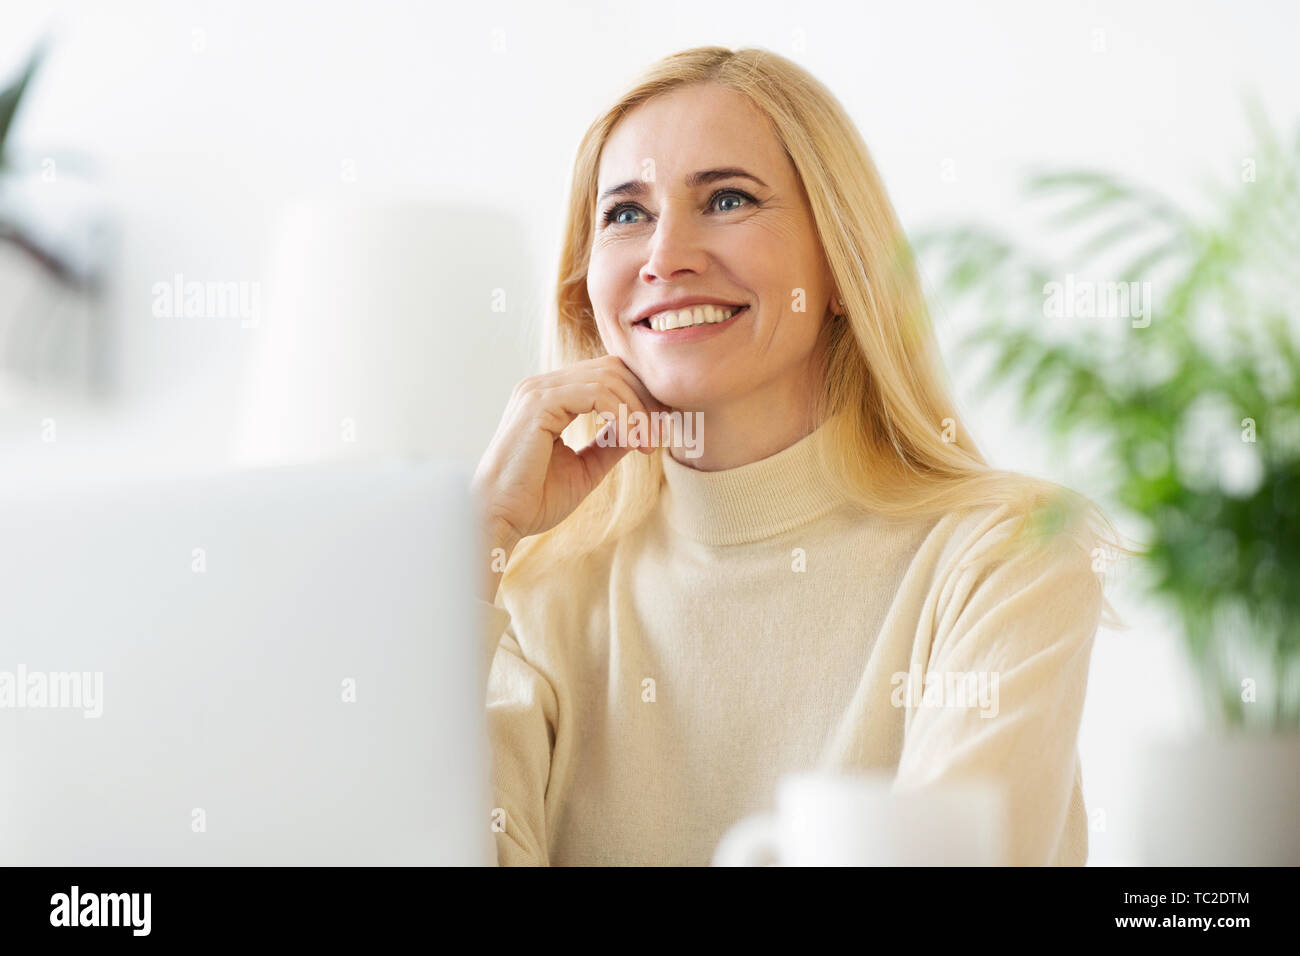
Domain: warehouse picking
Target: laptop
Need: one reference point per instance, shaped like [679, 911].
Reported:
[273, 666]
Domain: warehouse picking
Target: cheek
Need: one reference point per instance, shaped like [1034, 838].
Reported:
[779, 258]
[602, 282]
[794, 331]
[608, 335]
[594, 292]
[767, 270]
[614, 337]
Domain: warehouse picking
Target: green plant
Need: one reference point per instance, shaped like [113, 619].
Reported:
[54, 264]
[12, 95]
[1196, 403]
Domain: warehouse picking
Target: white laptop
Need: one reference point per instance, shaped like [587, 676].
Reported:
[268, 666]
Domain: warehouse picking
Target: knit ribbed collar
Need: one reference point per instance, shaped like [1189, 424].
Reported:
[749, 502]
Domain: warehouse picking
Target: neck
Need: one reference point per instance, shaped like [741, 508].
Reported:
[729, 439]
[758, 426]
[748, 502]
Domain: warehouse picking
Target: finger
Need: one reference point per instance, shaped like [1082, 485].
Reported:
[559, 405]
[600, 455]
[615, 375]
[608, 376]
[634, 402]
[622, 369]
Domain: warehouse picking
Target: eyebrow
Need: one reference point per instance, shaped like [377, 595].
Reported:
[636, 187]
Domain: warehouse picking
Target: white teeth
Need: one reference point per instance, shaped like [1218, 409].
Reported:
[693, 315]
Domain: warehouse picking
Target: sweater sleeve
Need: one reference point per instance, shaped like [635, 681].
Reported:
[1026, 626]
[521, 720]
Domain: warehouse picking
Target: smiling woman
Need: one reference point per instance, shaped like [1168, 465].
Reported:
[675, 633]
[718, 217]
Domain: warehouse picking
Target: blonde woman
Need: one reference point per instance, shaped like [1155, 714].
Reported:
[806, 536]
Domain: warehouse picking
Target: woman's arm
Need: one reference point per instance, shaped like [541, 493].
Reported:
[501, 543]
[527, 482]
[521, 722]
[1025, 626]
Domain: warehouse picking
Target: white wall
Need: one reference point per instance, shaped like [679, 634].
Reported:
[208, 119]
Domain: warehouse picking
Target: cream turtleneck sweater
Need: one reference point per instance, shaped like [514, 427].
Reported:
[752, 626]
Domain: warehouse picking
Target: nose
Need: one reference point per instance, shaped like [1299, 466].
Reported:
[677, 244]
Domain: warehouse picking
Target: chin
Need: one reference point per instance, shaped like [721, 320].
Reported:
[687, 394]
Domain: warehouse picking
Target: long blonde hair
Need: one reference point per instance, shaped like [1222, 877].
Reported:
[894, 442]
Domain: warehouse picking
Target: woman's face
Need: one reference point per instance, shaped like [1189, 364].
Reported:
[748, 240]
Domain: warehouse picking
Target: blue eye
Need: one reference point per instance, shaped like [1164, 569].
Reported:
[729, 192]
[613, 212]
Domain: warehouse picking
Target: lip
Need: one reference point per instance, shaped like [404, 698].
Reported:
[692, 334]
[681, 303]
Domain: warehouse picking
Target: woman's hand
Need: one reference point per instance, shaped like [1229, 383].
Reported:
[528, 480]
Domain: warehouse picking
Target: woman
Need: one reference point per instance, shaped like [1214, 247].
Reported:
[677, 629]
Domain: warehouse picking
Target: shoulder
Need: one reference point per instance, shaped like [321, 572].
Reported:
[562, 597]
[1032, 558]
[1052, 528]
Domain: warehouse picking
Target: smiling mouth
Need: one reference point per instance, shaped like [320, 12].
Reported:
[690, 318]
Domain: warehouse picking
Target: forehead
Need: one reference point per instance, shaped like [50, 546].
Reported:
[689, 129]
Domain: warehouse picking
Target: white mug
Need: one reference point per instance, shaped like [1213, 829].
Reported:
[833, 819]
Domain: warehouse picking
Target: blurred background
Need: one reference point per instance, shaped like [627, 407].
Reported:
[198, 201]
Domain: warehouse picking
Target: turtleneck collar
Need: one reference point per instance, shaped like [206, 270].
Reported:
[749, 502]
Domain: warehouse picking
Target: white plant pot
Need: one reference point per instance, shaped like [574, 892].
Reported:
[1231, 799]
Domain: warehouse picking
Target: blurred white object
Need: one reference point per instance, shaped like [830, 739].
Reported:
[271, 667]
[387, 328]
[1225, 800]
[827, 819]
[59, 244]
